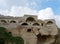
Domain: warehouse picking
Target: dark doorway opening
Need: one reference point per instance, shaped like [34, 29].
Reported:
[29, 30]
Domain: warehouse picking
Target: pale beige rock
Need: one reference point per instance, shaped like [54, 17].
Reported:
[28, 27]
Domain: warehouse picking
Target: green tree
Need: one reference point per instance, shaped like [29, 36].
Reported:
[18, 40]
[9, 38]
[5, 35]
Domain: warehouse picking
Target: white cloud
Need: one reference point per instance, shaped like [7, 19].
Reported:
[57, 18]
[4, 12]
[46, 14]
[42, 14]
[18, 11]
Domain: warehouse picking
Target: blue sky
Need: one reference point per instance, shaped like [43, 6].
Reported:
[38, 4]
[44, 9]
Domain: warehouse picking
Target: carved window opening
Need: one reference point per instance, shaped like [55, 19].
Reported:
[3, 21]
[36, 24]
[24, 24]
[30, 19]
[12, 21]
[49, 22]
[41, 24]
[28, 30]
[10, 33]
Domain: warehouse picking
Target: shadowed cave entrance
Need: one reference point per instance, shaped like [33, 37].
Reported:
[42, 38]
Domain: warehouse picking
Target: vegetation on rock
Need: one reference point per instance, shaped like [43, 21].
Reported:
[9, 38]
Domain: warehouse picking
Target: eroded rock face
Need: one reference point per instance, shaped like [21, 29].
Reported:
[45, 39]
[31, 29]
[57, 41]
[34, 36]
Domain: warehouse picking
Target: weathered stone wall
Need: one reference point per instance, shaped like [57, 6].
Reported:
[31, 29]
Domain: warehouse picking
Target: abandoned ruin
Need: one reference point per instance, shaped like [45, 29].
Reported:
[31, 29]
